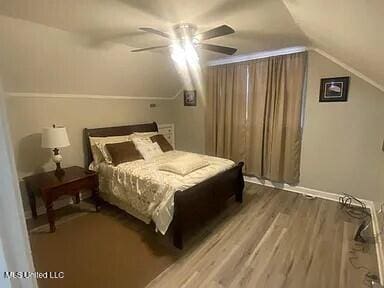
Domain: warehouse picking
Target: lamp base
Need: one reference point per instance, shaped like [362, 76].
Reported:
[59, 172]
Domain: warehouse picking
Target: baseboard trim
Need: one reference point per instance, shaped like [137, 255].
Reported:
[61, 203]
[300, 189]
[333, 197]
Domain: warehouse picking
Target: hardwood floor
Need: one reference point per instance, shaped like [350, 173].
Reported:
[276, 239]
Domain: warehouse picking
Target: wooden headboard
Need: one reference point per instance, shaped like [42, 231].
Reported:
[112, 131]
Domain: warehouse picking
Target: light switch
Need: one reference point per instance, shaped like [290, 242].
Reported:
[382, 147]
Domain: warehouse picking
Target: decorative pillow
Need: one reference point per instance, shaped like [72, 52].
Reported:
[141, 140]
[123, 152]
[184, 165]
[163, 143]
[148, 151]
[98, 151]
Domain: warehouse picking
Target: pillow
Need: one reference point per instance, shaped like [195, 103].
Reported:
[104, 152]
[93, 166]
[148, 151]
[141, 141]
[184, 165]
[163, 143]
[97, 152]
[144, 134]
[123, 152]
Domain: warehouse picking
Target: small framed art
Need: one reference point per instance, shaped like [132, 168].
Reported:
[190, 98]
[334, 89]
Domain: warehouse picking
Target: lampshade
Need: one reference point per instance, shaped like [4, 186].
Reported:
[54, 137]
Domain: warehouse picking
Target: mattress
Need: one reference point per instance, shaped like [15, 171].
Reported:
[147, 193]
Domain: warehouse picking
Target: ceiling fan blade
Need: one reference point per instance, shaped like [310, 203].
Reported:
[155, 31]
[215, 32]
[149, 48]
[217, 48]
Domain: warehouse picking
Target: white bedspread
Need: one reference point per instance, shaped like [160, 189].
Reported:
[144, 191]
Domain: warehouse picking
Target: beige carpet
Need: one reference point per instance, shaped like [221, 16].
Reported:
[106, 249]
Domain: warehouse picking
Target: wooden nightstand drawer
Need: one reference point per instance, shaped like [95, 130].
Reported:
[71, 188]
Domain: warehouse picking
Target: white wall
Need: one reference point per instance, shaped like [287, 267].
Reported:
[5, 283]
[342, 141]
[189, 124]
[28, 115]
[14, 244]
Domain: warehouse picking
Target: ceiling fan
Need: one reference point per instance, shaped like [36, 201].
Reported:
[186, 33]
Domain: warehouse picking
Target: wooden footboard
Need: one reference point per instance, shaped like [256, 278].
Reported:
[201, 202]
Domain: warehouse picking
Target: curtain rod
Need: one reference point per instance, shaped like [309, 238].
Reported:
[257, 55]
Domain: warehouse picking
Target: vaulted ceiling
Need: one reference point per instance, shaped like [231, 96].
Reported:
[83, 46]
[349, 30]
[259, 24]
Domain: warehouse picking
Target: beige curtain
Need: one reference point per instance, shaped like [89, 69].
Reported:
[258, 123]
[226, 109]
[274, 117]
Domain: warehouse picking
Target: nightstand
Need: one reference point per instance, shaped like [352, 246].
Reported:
[50, 187]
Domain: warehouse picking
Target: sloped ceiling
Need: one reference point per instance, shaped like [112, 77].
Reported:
[82, 46]
[39, 59]
[259, 24]
[350, 30]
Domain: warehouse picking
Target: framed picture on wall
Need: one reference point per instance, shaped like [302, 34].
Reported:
[190, 98]
[334, 89]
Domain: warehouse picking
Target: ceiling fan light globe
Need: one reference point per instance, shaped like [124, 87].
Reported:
[190, 52]
[177, 54]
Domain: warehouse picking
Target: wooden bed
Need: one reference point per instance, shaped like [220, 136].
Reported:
[193, 206]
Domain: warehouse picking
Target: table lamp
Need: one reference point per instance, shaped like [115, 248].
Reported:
[55, 137]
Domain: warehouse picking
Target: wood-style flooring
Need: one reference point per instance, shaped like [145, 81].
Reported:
[276, 239]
